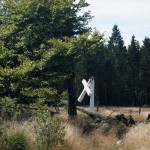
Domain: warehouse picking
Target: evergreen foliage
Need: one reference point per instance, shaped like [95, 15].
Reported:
[46, 47]
[118, 57]
[133, 69]
[145, 72]
[29, 59]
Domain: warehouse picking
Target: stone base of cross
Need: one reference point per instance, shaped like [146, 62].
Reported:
[89, 89]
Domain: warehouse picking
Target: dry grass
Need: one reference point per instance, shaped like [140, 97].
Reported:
[26, 128]
[140, 118]
[138, 138]
[94, 141]
[134, 111]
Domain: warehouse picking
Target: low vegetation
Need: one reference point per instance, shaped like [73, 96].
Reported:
[138, 137]
[41, 131]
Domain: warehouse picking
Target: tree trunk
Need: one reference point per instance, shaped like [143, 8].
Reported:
[72, 110]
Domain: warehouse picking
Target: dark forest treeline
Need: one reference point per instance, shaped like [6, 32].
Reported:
[46, 49]
[122, 73]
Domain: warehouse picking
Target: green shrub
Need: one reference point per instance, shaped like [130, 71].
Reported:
[17, 141]
[49, 131]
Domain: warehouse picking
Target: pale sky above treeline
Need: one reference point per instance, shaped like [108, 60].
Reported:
[131, 16]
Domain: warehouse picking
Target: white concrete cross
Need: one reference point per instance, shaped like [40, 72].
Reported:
[89, 89]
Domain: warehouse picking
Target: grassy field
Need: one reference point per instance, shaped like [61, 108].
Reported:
[86, 133]
[136, 137]
[133, 111]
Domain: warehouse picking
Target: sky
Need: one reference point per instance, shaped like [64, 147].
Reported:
[131, 16]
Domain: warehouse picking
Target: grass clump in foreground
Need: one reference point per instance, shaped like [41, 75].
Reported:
[95, 141]
[12, 140]
[40, 132]
[138, 138]
[17, 141]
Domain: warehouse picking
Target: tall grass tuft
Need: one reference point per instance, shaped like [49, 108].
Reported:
[138, 138]
[95, 141]
[17, 136]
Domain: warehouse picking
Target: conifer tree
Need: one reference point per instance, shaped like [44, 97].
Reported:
[133, 69]
[25, 30]
[145, 72]
[118, 55]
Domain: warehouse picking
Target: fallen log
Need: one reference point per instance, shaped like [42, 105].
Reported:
[93, 115]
